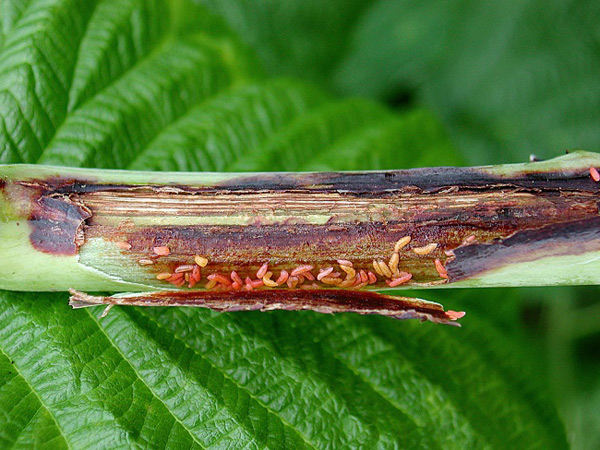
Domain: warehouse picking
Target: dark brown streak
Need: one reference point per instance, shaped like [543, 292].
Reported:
[572, 238]
[430, 179]
[319, 300]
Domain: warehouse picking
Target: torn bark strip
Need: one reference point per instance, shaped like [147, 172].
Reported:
[328, 301]
[104, 230]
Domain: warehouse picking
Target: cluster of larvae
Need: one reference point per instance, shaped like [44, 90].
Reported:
[302, 276]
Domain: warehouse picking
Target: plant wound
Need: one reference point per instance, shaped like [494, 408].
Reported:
[308, 232]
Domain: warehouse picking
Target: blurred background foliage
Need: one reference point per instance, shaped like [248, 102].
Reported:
[506, 80]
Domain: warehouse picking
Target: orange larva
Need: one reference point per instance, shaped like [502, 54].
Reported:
[403, 278]
[219, 279]
[236, 278]
[263, 269]
[196, 274]
[283, 276]
[372, 277]
[301, 269]
[162, 250]
[324, 272]
[175, 277]
[441, 269]
[364, 278]
[292, 282]
[178, 283]
[308, 275]
[344, 262]
[594, 174]
[163, 276]
[256, 283]
[455, 315]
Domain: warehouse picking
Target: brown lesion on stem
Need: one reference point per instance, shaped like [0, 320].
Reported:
[570, 238]
[320, 300]
[468, 213]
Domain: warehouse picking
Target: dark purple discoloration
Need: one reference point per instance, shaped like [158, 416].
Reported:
[429, 179]
[362, 184]
[571, 238]
[55, 222]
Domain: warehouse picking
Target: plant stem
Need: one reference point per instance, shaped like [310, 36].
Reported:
[511, 225]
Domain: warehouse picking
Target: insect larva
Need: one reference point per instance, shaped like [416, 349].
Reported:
[377, 268]
[175, 277]
[347, 282]
[331, 280]
[386, 272]
[255, 283]
[219, 279]
[403, 278]
[283, 276]
[364, 278]
[292, 282]
[201, 260]
[236, 286]
[344, 262]
[196, 274]
[267, 280]
[468, 240]
[211, 284]
[263, 269]
[308, 275]
[124, 245]
[194, 277]
[594, 174]
[372, 277]
[163, 276]
[301, 269]
[455, 315]
[426, 249]
[162, 251]
[145, 262]
[403, 242]
[184, 268]
[441, 269]
[350, 272]
[324, 272]
[236, 278]
[393, 263]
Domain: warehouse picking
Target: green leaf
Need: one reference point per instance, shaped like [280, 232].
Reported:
[508, 79]
[153, 85]
[306, 38]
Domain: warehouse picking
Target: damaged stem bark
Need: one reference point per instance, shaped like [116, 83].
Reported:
[299, 240]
